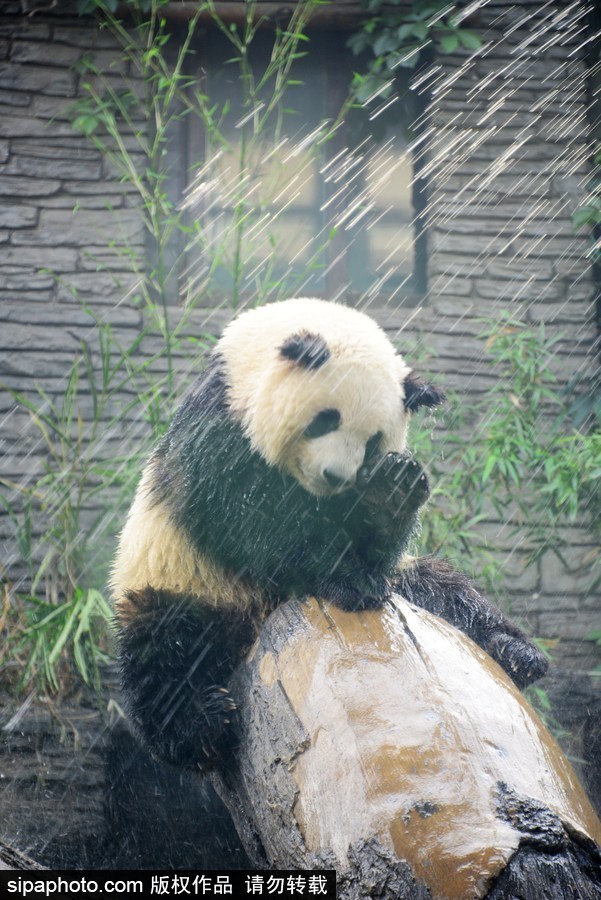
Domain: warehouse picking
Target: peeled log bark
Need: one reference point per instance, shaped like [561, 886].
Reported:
[388, 746]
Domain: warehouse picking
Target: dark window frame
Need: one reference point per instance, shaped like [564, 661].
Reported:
[189, 132]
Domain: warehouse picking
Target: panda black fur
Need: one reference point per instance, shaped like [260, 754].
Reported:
[284, 473]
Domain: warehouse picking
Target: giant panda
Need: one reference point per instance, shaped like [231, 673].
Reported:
[285, 472]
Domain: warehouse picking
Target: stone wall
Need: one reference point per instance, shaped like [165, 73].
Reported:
[60, 203]
[508, 159]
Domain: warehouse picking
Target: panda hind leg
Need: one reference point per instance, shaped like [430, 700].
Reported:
[176, 654]
[433, 584]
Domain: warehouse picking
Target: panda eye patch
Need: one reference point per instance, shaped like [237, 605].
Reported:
[373, 445]
[324, 422]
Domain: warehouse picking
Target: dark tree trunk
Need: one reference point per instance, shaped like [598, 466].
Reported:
[388, 746]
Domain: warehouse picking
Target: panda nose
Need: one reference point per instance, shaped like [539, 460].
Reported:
[335, 481]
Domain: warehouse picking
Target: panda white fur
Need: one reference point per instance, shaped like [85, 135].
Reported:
[284, 472]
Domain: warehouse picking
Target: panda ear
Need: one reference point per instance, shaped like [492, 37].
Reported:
[418, 393]
[306, 349]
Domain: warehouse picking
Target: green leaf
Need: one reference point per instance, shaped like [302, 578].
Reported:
[358, 42]
[420, 30]
[449, 42]
[404, 32]
[586, 215]
[469, 39]
[489, 466]
[385, 43]
[86, 124]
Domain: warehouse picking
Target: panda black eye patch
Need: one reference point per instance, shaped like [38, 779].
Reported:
[373, 445]
[324, 422]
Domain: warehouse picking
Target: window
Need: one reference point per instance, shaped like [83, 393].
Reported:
[295, 206]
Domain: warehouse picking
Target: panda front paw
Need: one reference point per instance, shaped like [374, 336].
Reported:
[356, 593]
[393, 485]
[521, 659]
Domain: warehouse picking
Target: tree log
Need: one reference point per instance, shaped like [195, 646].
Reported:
[10, 859]
[386, 745]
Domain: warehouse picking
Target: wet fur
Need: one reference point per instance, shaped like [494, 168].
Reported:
[254, 519]
[260, 527]
[175, 655]
[229, 536]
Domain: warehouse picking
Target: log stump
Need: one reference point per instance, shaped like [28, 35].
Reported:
[385, 744]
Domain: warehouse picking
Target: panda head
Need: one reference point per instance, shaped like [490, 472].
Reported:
[317, 386]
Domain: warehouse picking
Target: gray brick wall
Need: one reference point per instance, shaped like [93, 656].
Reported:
[59, 208]
[510, 161]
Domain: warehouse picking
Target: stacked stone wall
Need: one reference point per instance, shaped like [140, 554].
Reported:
[509, 161]
[63, 211]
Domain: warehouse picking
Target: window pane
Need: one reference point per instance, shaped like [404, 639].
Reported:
[285, 204]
